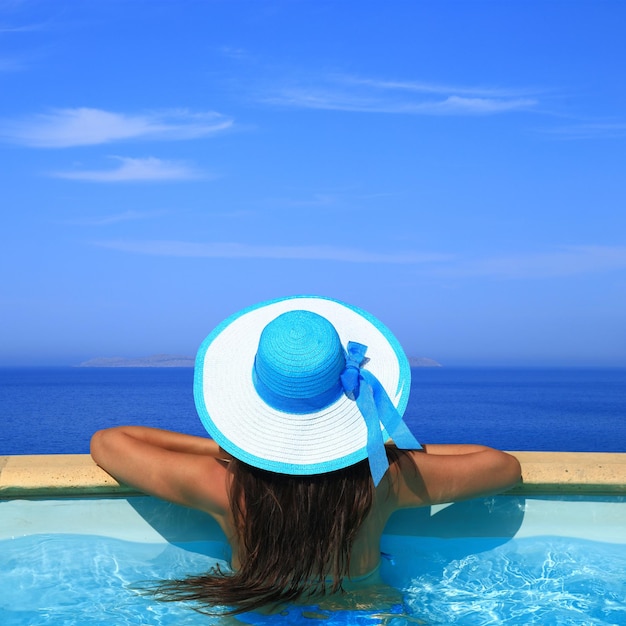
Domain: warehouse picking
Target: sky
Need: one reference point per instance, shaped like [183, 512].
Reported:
[456, 168]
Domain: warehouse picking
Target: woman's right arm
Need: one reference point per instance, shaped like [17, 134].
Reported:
[168, 440]
[449, 473]
[187, 470]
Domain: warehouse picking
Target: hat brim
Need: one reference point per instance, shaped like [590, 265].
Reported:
[245, 426]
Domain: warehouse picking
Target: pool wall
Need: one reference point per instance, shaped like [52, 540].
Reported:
[544, 473]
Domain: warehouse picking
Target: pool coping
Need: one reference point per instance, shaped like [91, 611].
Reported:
[544, 473]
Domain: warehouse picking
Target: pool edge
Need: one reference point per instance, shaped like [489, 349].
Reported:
[583, 473]
[544, 473]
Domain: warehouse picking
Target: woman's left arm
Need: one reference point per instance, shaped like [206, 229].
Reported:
[449, 473]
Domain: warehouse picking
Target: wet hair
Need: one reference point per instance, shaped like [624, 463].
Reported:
[295, 538]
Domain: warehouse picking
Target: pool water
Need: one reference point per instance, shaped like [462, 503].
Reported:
[504, 560]
[538, 580]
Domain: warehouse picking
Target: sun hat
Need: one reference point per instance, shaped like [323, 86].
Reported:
[304, 385]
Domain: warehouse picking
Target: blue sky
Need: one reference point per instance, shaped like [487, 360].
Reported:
[456, 168]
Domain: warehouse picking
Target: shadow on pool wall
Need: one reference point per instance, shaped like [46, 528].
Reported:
[195, 530]
[416, 542]
[421, 540]
[497, 519]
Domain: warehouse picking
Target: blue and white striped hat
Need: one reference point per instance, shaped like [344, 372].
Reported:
[304, 385]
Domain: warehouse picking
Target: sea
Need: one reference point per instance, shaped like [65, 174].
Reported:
[55, 410]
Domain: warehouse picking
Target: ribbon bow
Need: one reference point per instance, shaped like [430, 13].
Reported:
[376, 407]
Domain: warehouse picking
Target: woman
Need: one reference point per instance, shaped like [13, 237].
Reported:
[297, 472]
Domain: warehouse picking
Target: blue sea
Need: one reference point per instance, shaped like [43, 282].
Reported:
[56, 410]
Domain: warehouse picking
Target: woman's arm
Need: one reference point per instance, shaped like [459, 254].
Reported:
[179, 468]
[168, 440]
[448, 473]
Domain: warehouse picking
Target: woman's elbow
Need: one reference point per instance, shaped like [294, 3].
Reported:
[100, 442]
[95, 444]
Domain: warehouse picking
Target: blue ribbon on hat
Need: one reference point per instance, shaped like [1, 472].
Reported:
[376, 408]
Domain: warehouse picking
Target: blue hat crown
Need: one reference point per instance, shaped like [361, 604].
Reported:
[299, 362]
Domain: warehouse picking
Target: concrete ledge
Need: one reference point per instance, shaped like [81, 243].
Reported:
[56, 475]
[544, 473]
[592, 473]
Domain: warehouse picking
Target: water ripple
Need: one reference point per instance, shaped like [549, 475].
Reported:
[527, 581]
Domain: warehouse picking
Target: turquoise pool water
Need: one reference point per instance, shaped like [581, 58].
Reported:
[502, 560]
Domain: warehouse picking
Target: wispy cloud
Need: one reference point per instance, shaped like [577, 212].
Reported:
[233, 52]
[564, 261]
[335, 200]
[315, 200]
[64, 128]
[438, 88]
[26, 28]
[10, 65]
[18, 62]
[590, 130]
[250, 251]
[117, 218]
[140, 170]
[347, 93]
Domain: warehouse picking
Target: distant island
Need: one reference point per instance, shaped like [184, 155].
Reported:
[173, 360]
[156, 360]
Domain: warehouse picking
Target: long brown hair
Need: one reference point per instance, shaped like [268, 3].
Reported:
[295, 538]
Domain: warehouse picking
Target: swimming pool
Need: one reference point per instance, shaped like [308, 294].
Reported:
[514, 559]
